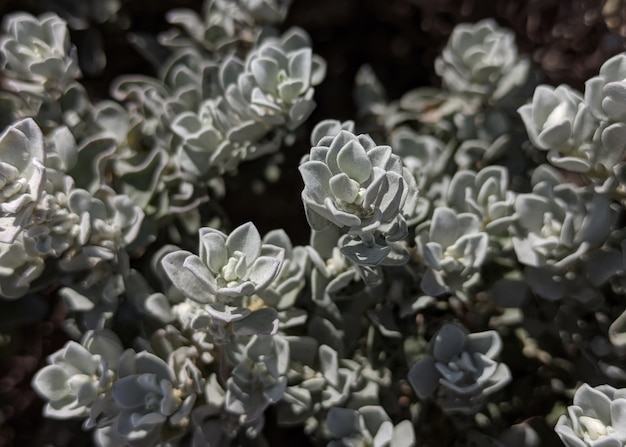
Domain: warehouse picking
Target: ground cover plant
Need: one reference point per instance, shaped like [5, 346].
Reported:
[206, 248]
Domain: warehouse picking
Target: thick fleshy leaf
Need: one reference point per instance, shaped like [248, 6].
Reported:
[318, 70]
[265, 72]
[593, 403]
[183, 279]
[329, 364]
[617, 330]
[263, 271]
[146, 362]
[158, 306]
[424, 377]
[556, 135]
[128, 392]
[531, 209]
[364, 254]
[614, 101]
[344, 188]
[339, 217]
[449, 342]
[343, 422]
[261, 322]
[51, 382]
[403, 435]
[230, 69]
[444, 227]
[245, 239]
[226, 314]
[618, 417]
[78, 357]
[352, 159]
[290, 89]
[487, 343]
[213, 249]
[329, 128]
[300, 66]
[316, 177]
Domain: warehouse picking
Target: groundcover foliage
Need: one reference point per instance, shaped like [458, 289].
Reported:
[464, 279]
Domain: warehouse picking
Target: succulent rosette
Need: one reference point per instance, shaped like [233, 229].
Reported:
[481, 58]
[233, 266]
[486, 194]
[557, 224]
[79, 374]
[454, 247]
[462, 367]
[37, 53]
[597, 418]
[351, 182]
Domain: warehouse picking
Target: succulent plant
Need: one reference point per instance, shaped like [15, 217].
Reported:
[285, 70]
[79, 374]
[559, 121]
[604, 93]
[482, 59]
[454, 247]
[148, 399]
[113, 222]
[233, 266]
[583, 133]
[273, 87]
[266, 11]
[596, 418]
[425, 156]
[484, 193]
[22, 176]
[101, 201]
[290, 279]
[18, 269]
[369, 425]
[258, 378]
[352, 183]
[37, 54]
[226, 273]
[558, 223]
[215, 30]
[461, 370]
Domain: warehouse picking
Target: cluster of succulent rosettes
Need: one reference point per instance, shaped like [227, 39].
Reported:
[596, 418]
[226, 277]
[37, 56]
[359, 187]
[272, 88]
[126, 396]
[482, 59]
[145, 400]
[454, 246]
[584, 133]
[223, 24]
[369, 425]
[461, 371]
[203, 116]
[46, 218]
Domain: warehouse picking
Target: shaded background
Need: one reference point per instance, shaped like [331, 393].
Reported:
[567, 39]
